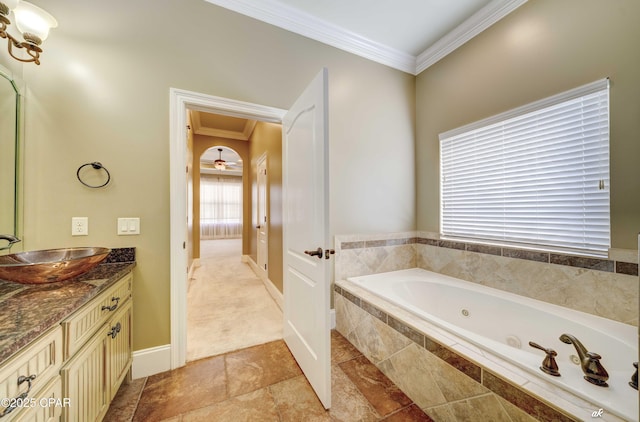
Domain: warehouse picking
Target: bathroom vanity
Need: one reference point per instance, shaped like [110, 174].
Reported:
[65, 348]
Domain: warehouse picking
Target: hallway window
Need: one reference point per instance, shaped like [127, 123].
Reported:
[220, 207]
[534, 176]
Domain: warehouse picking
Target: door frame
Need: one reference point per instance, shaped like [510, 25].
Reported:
[179, 102]
[262, 254]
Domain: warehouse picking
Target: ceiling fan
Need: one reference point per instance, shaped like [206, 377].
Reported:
[221, 164]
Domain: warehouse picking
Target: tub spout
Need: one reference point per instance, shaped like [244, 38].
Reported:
[10, 238]
[593, 370]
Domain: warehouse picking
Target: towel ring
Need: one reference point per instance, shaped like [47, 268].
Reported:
[96, 165]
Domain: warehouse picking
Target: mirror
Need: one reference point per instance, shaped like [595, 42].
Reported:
[9, 153]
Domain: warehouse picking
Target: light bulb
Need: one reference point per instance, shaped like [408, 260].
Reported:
[31, 19]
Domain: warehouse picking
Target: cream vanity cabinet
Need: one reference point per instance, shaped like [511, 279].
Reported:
[97, 353]
[73, 370]
[30, 378]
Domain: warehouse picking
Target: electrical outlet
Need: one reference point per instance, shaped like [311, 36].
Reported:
[79, 226]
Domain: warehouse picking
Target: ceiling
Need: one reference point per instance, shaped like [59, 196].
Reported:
[224, 127]
[409, 35]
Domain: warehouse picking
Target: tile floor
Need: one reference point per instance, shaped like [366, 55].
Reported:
[264, 383]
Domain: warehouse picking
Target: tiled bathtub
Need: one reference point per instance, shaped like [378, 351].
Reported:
[451, 379]
[448, 377]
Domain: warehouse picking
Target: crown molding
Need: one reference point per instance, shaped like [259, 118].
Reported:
[302, 23]
[478, 22]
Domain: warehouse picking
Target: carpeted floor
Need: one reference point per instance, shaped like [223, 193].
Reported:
[228, 307]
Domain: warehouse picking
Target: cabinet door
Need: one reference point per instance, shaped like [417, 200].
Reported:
[84, 381]
[82, 325]
[48, 406]
[119, 346]
[30, 370]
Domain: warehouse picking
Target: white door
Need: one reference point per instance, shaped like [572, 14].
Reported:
[306, 217]
[261, 226]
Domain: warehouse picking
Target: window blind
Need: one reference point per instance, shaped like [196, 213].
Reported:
[534, 176]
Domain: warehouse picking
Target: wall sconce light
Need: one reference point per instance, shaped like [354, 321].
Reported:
[32, 22]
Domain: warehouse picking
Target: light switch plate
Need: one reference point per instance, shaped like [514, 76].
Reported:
[128, 226]
[79, 226]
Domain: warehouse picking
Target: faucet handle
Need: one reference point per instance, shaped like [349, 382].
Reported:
[634, 379]
[549, 365]
[593, 356]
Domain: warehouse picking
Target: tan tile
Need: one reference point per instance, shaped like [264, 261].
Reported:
[522, 399]
[296, 401]
[515, 413]
[347, 403]
[198, 384]
[257, 406]
[410, 413]
[258, 367]
[383, 395]
[454, 384]
[441, 413]
[409, 369]
[376, 340]
[341, 349]
[125, 402]
[483, 408]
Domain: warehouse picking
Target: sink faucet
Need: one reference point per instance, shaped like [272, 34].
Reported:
[593, 370]
[11, 238]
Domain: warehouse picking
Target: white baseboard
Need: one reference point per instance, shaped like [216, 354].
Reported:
[151, 361]
[275, 294]
[192, 268]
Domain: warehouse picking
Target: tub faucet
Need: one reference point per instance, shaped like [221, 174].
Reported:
[593, 370]
[9, 237]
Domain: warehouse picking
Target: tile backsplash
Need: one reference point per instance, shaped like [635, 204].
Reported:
[603, 287]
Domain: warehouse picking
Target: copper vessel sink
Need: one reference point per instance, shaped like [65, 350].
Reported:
[50, 265]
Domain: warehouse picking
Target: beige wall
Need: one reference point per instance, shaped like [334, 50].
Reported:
[544, 47]
[267, 139]
[102, 94]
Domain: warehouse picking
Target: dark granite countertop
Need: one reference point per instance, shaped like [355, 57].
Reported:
[26, 311]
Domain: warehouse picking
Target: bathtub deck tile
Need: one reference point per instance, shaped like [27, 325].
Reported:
[351, 297]
[626, 268]
[483, 408]
[410, 413]
[382, 316]
[454, 359]
[582, 262]
[530, 404]
[407, 331]
[420, 386]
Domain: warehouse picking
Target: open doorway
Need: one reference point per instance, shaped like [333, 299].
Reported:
[228, 305]
[181, 102]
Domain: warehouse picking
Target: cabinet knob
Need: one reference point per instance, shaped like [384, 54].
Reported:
[114, 330]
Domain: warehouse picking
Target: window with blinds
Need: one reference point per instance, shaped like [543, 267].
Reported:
[535, 176]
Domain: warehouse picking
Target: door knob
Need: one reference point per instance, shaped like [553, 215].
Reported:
[318, 252]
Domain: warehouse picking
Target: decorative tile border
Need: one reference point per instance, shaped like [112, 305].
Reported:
[515, 395]
[618, 267]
